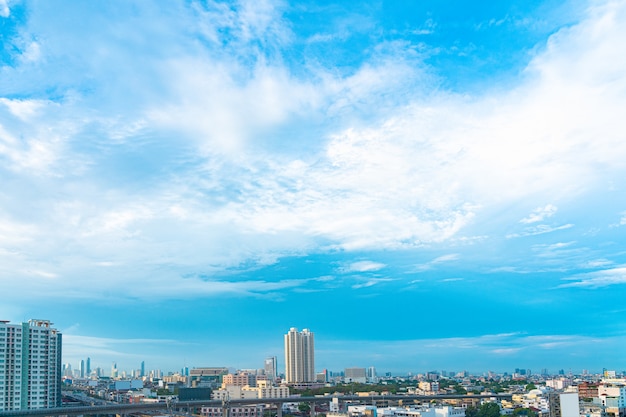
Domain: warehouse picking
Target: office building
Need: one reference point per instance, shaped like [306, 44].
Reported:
[30, 365]
[270, 368]
[299, 356]
[355, 375]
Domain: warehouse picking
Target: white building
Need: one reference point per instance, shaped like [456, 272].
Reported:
[263, 390]
[30, 365]
[356, 375]
[242, 411]
[423, 411]
[564, 404]
[612, 395]
[299, 356]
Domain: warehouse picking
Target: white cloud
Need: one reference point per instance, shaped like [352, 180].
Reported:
[539, 214]
[451, 279]
[597, 279]
[441, 259]
[4, 8]
[363, 266]
[411, 175]
[539, 230]
[371, 282]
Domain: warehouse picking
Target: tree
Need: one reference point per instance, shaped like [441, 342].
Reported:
[471, 411]
[530, 386]
[526, 412]
[304, 408]
[489, 410]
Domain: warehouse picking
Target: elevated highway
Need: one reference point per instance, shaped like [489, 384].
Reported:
[123, 409]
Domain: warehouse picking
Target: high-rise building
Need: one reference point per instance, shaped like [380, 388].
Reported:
[299, 356]
[88, 366]
[371, 374]
[270, 368]
[30, 365]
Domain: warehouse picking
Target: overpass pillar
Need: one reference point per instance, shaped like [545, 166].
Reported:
[279, 410]
[312, 412]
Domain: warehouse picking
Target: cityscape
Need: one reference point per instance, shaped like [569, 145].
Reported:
[33, 377]
[313, 208]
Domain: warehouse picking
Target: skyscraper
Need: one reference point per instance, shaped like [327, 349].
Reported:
[270, 368]
[30, 369]
[299, 356]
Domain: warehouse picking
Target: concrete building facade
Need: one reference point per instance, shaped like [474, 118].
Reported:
[30, 365]
[299, 356]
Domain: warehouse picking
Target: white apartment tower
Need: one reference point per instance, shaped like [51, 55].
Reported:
[30, 365]
[299, 356]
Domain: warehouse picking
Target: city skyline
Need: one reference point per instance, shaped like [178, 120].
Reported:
[425, 185]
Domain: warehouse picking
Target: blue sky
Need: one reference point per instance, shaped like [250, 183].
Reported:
[430, 185]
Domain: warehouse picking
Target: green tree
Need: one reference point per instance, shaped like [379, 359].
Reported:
[527, 412]
[530, 386]
[471, 411]
[489, 410]
[304, 408]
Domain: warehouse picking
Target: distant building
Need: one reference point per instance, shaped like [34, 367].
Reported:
[587, 390]
[564, 404]
[357, 375]
[249, 411]
[271, 368]
[241, 379]
[263, 390]
[30, 369]
[191, 394]
[322, 377]
[207, 377]
[371, 375]
[612, 396]
[299, 356]
[126, 385]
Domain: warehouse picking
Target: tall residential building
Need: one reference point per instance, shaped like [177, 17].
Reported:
[299, 356]
[30, 365]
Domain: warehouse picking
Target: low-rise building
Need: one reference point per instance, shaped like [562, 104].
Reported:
[247, 411]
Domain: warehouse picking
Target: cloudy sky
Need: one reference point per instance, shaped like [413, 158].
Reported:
[426, 185]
